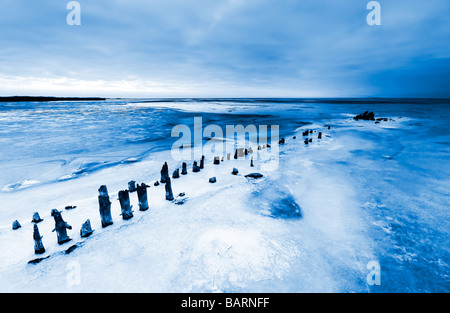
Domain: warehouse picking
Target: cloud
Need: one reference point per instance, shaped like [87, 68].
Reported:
[224, 48]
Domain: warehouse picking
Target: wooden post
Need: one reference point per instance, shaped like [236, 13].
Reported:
[195, 167]
[251, 162]
[142, 197]
[176, 173]
[169, 193]
[202, 162]
[60, 227]
[105, 206]
[164, 173]
[86, 229]
[184, 169]
[320, 135]
[132, 186]
[216, 160]
[124, 199]
[236, 154]
[36, 218]
[38, 245]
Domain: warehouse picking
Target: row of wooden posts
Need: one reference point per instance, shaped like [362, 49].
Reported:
[141, 189]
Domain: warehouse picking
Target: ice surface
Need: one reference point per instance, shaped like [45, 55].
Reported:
[321, 212]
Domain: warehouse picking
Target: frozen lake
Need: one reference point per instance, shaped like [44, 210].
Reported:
[365, 192]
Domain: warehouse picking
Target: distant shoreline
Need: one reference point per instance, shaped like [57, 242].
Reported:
[47, 99]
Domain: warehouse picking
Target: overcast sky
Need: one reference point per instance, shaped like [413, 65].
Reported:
[225, 48]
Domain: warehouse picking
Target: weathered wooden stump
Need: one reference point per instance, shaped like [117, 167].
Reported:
[38, 245]
[169, 193]
[202, 162]
[86, 229]
[212, 180]
[132, 186]
[195, 167]
[176, 173]
[184, 169]
[36, 218]
[60, 227]
[235, 171]
[164, 173]
[103, 191]
[142, 197]
[216, 160]
[124, 199]
[16, 225]
[105, 206]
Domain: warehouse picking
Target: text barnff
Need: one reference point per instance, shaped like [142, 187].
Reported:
[247, 302]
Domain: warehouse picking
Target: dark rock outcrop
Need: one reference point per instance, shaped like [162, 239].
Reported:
[366, 116]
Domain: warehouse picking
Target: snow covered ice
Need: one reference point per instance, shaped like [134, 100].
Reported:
[364, 192]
